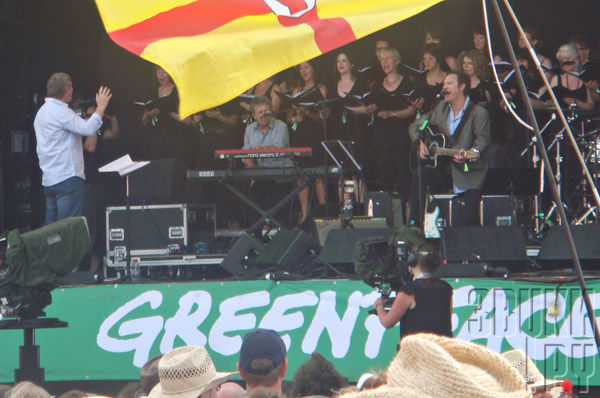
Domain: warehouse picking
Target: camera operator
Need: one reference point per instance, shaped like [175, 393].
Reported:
[423, 304]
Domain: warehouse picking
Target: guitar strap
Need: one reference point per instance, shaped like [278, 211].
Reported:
[454, 138]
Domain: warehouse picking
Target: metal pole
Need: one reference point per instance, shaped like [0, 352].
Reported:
[546, 163]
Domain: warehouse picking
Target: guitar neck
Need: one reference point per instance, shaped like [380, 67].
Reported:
[469, 155]
[439, 151]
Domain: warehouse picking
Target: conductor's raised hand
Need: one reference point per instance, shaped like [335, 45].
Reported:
[103, 97]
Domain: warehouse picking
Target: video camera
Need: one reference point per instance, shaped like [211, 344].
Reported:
[383, 264]
[34, 263]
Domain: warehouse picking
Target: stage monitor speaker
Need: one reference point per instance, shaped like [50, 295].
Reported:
[161, 181]
[238, 261]
[339, 246]
[459, 270]
[326, 225]
[482, 244]
[287, 249]
[587, 243]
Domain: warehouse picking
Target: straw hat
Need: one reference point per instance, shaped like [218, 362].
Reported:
[187, 372]
[387, 392]
[527, 369]
[445, 367]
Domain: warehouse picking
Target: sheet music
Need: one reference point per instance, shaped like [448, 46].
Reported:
[123, 165]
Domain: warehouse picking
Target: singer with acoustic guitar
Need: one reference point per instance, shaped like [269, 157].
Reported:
[458, 129]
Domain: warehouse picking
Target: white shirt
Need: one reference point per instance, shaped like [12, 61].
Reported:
[58, 131]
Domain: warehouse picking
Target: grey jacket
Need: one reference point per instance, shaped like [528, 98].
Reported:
[475, 134]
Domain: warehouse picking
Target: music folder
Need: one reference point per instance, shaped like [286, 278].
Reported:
[340, 154]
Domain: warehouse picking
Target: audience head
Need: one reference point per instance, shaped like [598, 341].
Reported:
[60, 86]
[473, 63]
[130, 390]
[230, 390]
[262, 359]
[428, 365]
[188, 372]
[76, 394]
[26, 389]
[149, 374]
[317, 376]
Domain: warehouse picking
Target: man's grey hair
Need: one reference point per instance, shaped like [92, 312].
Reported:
[259, 100]
[58, 84]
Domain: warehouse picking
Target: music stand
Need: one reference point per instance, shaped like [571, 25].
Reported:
[340, 154]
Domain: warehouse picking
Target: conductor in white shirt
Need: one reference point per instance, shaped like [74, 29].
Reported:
[59, 131]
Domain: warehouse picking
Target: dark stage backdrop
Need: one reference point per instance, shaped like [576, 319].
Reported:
[41, 37]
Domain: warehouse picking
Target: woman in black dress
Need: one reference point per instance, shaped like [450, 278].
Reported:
[169, 135]
[429, 84]
[396, 107]
[475, 66]
[423, 305]
[306, 130]
[351, 111]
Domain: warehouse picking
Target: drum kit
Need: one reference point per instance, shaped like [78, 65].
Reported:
[575, 190]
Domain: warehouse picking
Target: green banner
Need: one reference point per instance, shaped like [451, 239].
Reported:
[114, 329]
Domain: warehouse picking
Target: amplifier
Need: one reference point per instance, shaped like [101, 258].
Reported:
[326, 225]
[497, 211]
[157, 230]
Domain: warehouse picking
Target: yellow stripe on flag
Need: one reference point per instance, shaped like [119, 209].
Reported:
[218, 66]
[215, 57]
[119, 14]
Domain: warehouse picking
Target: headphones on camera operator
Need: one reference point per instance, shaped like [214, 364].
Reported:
[426, 255]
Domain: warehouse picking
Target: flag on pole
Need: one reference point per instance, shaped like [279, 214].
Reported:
[216, 49]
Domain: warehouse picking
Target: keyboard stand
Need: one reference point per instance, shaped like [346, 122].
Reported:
[267, 215]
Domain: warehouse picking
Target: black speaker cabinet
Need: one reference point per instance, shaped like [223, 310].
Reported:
[238, 261]
[469, 244]
[161, 181]
[384, 204]
[587, 243]
[287, 249]
[339, 246]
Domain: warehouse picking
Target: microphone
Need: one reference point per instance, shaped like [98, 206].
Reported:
[266, 114]
[279, 276]
[441, 95]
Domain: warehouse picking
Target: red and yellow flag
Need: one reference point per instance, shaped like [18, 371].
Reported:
[216, 49]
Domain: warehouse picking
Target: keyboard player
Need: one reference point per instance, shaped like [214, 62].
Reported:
[266, 132]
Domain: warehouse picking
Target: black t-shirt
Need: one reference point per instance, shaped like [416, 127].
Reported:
[433, 310]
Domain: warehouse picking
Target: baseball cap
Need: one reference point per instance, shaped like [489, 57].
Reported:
[261, 344]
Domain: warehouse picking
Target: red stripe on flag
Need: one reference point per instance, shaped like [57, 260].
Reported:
[192, 19]
[330, 33]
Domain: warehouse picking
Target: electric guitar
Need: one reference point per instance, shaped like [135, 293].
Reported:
[436, 145]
